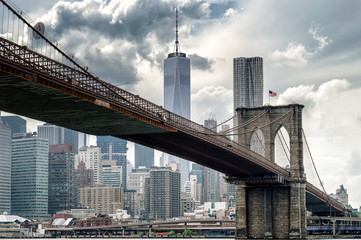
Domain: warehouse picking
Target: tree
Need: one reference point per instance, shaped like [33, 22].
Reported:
[188, 232]
[171, 233]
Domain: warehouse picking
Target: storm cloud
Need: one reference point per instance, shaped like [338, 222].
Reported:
[112, 37]
[200, 63]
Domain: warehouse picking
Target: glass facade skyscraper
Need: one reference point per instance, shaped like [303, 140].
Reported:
[177, 95]
[177, 84]
[5, 168]
[78, 139]
[113, 148]
[29, 176]
[60, 135]
[62, 189]
[144, 156]
[17, 124]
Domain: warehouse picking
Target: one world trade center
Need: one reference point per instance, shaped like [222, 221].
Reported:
[177, 94]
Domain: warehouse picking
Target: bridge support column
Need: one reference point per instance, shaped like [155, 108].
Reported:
[269, 207]
[241, 211]
[297, 210]
[274, 211]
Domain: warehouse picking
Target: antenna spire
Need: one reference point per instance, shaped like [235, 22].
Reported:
[176, 31]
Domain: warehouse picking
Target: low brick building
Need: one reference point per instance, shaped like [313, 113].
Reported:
[94, 221]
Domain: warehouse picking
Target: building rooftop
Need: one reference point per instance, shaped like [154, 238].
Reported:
[5, 218]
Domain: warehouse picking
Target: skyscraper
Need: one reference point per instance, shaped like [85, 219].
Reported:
[211, 122]
[248, 92]
[60, 135]
[177, 93]
[198, 171]
[136, 181]
[92, 158]
[211, 177]
[29, 176]
[112, 174]
[78, 139]
[144, 156]
[62, 189]
[247, 82]
[113, 148]
[17, 124]
[53, 133]
[211, 189]
[5, 168]
[163, 193]
[84, 177]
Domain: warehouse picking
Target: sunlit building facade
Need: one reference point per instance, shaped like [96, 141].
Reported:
[29, 176]
[247, 82]
[5, 168]
[248, 92]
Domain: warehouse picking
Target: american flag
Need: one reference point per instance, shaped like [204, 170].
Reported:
[272, 94]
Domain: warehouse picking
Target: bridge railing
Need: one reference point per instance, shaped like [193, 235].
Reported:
[321, 195]
[22, 44]
[17, 55]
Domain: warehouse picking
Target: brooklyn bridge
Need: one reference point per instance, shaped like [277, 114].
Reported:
[41, 81]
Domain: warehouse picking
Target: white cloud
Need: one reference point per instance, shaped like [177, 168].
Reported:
[217, 100]
[323, 41]
[297, 54]
[230, 13]
[332, 126]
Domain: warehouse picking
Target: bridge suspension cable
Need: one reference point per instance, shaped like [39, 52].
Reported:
[313, 163]
[53, 57]
[259, 127]
[226, 132]
[229, 119]
[283, 143]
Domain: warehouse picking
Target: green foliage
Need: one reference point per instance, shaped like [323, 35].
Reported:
[171, 233]
[188, 232]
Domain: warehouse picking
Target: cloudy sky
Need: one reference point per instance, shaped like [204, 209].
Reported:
[311, 51]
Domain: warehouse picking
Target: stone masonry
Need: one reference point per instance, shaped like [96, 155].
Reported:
[272, 210]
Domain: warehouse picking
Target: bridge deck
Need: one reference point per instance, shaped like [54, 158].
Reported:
[35, 86]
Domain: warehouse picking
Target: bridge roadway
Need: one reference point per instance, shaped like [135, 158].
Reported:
[316, 226]
[38, 87]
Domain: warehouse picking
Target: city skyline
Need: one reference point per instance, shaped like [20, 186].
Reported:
[312, 60]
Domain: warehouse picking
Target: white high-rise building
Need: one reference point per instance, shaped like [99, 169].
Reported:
[177, 96]
[92, 158]
[247, 82]
[248, 92]
[191, 187]
[5, 167]
[136, 179]
[53, 133]
[60, 135]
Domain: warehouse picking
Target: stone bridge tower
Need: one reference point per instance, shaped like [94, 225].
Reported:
[268, 209]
